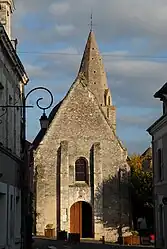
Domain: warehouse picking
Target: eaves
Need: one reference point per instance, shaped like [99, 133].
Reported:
[158, 124]
[12, 55]
[10, 154]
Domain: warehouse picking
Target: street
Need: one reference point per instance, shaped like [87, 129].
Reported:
[53, 244]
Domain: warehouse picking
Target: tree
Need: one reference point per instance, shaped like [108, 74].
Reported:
[141, 190]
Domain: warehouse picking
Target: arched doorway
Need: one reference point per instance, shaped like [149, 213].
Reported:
[81, 219]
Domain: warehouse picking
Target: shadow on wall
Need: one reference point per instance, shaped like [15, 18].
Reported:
[115, 192]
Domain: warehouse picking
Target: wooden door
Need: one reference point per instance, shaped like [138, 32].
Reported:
[76, 218]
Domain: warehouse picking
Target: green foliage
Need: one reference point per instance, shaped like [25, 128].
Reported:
[141, 184]
[141, 187]
[49, 226]
[135, 161]
[134, 233]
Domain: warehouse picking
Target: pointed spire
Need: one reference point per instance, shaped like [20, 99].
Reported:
[93, 69]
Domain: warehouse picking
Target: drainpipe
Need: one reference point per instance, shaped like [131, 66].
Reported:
[120, 209]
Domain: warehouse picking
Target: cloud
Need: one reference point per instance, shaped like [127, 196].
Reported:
[129, 33]
[118, 19]
[138, 146]
[59, 9]
[135, 119]
[131, 81]
[64, 30]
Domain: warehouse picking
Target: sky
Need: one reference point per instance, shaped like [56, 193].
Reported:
[132, 38]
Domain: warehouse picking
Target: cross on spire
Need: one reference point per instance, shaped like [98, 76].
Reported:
[91, 21]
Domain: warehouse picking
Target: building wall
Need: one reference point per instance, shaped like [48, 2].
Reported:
[160, 184]
[80, 129]
[10, 219]
[10, 163]
[10, 123]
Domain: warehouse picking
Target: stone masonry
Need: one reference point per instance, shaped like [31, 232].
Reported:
[83, 124]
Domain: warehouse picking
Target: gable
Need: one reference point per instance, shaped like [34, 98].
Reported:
[80, 116]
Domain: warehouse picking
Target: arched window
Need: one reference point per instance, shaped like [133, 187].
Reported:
[81, 169]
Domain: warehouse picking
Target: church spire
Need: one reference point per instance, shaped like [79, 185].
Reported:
[93, 69]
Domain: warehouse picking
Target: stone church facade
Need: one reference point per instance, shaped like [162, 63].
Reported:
[81, 165]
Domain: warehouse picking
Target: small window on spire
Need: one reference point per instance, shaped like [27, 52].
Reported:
[108, 113]
[109, 102]
[105, 100]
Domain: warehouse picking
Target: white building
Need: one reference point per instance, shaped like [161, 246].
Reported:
[12, 80]
[158, 131]
[6, 9]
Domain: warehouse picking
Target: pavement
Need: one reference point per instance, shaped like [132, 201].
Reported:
[44, 243]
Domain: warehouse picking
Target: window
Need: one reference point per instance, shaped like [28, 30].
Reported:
[161, 223]
[105, 99]
[81, 169]
[11, 202]
[109, 102]
[10, 99]
[164, 107]
[108, 113]
[1, 86]
[159, 165]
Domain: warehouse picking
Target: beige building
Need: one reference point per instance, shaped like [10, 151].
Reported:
[158, 131]
[146, 157]
[12, 81]
[82, 173]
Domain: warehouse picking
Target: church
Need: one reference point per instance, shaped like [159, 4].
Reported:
[81, 165]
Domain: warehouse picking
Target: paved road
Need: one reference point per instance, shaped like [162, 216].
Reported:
[53, 244]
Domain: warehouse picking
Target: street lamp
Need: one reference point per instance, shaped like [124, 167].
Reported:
[44, 121]
[26, 195]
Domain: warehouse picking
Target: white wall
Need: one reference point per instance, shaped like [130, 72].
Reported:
[10, 215]
[9, 95]
[5, 16]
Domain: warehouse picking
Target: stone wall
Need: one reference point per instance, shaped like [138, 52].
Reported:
[79, 129]
[9, 95]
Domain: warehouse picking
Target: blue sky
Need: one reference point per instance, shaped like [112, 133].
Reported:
[130, 35]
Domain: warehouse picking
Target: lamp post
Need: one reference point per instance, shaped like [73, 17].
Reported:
[26, 195]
